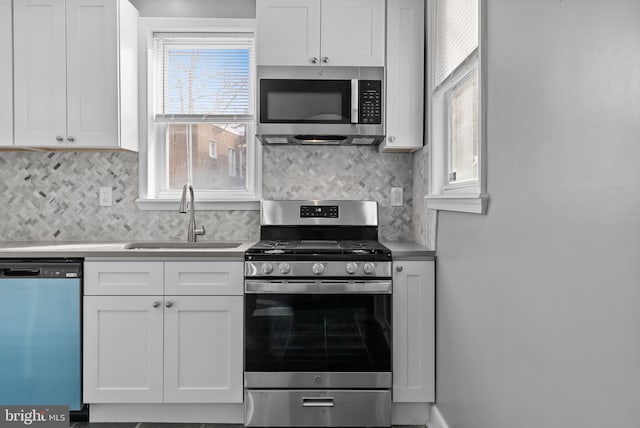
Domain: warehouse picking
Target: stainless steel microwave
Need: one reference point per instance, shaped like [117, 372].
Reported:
[320, 111]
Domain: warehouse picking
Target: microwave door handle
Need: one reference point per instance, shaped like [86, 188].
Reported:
[354, 100]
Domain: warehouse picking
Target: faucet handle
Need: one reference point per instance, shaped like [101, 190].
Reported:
[200, 231]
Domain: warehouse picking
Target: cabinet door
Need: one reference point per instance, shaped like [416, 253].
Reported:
[414, 331]
[352, 33]
[92, 78]
[123, 278]
[39, 73]
[405, 75]
[202, 278]
[288, 32]
[122, 349]
[203, 349]
[6, 75]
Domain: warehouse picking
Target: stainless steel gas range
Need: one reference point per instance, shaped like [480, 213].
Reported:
[318, 317]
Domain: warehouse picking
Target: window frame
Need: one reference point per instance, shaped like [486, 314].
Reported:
[469, 196]
[150, 196]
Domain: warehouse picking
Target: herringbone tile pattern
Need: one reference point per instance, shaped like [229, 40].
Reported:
[344, 172]
[54, 196]
[424, 220]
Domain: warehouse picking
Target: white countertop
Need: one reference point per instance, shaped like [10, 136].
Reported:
[409, 250]
[71, 249]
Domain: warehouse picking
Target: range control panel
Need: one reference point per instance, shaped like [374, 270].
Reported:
[314, 211]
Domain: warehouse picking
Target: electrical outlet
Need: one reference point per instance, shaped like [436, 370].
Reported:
[105, 196]
[396, 197]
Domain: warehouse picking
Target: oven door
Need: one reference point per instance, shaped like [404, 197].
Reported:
[333, 338]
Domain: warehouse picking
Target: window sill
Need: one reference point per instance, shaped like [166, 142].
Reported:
[475, 204]
[172, 205]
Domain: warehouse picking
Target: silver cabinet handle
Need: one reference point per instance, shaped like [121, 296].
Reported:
[399, 268]
[156, 304]
[59, 139]
[314, 60]
[392, 138]
[71, 139]
[325, 60]
[317, 401]
[169, 304]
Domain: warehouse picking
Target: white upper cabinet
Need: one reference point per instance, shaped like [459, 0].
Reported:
[405, 75]
[321, 32]
[6, 75]
[288, 32]
[40, 83]
[75, 69]
[352, 33]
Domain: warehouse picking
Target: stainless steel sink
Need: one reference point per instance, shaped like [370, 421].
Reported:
[204, 245]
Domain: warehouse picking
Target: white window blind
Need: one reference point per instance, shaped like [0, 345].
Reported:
[203, 77]
[456, 35]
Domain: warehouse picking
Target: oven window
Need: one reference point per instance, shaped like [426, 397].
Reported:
[318, 333]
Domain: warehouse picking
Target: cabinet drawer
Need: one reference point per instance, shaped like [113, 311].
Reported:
[124, 278]
[203, 278]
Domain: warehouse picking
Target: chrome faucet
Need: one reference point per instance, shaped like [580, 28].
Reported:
[192, 231]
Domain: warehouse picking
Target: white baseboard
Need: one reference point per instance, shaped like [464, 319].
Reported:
[194, 413]
[436, 420]
[410, 413]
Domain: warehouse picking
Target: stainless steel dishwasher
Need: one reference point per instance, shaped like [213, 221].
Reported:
[40, 332]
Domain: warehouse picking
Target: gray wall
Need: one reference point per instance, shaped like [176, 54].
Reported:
[538, 301]
[197, 8]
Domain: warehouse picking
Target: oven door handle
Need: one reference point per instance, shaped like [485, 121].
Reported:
[318, 287]
[317, 401]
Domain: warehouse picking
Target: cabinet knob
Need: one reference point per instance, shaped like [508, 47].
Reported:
[314, 60]
[325, 60]
[399, 268]
[155, 304]
[59, 139]
[71, 139]
[169, 304]
[392, 138]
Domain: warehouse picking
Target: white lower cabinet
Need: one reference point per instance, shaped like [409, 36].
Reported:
[414, 331]
[203, 349]
[123, 349]
[162, 348]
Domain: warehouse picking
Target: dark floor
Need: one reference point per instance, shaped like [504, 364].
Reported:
[149, 425]
[173, 425]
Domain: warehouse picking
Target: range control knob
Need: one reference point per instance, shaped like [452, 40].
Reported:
[368, 268]
[284, 268]
[266, 268]
[351, 268]
[317, 268]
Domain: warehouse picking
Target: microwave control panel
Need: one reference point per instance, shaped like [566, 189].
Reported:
[370, 101]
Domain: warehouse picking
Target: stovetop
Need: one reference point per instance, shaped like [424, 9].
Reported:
[325, 247]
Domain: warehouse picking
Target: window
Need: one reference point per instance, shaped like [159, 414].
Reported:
[456, 122]
[200, 113]
[213, 149]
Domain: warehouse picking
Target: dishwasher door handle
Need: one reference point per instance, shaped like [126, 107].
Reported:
[19, 272]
